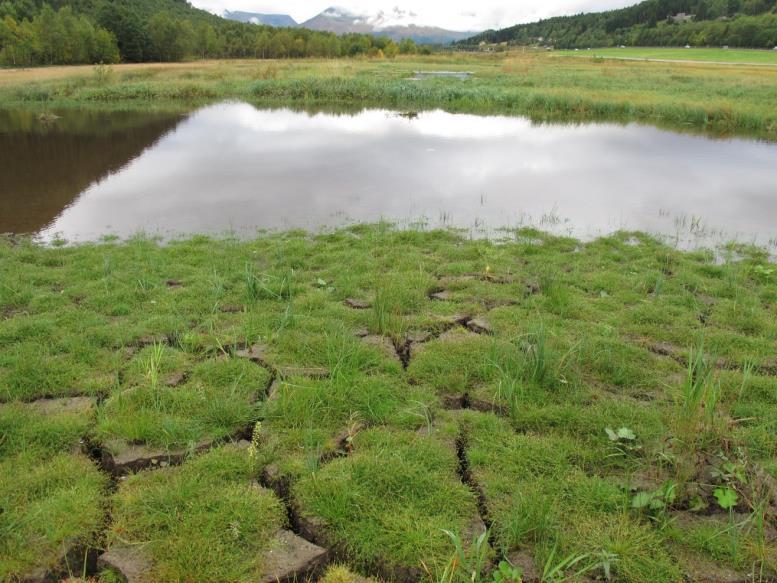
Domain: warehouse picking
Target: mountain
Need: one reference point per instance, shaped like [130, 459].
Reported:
[277, 20]
[396, 24]
[740, 23]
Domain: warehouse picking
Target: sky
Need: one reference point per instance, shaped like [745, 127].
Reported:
[452, 14]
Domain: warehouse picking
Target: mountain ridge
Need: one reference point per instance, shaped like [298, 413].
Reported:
[740, 23]
[396, 24]
[275, 20]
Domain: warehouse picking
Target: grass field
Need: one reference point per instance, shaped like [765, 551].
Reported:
[738, 56]
[421, 405]
[697, 97]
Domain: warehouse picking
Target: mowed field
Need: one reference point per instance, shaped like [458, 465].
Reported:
[717, 55]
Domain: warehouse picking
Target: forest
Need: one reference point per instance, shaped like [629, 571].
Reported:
[63, 32]
[736, 23]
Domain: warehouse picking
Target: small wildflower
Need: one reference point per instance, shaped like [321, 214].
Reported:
[256, 440]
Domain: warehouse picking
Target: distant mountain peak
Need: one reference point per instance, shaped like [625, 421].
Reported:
[395, 23]
[277, 20]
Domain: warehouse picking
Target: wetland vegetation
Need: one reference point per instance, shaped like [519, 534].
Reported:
[227, 409]
[705, 97]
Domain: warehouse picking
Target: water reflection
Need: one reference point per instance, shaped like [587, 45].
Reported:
[45, 164]
[235, 167]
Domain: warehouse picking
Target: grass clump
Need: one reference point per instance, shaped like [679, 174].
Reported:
[218, 400]
[203, 521]
[51, 498]
[407, 492]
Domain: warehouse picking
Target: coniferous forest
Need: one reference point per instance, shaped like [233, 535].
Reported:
[60, 32]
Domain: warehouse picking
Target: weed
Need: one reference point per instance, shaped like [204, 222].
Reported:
[153, 365]
[624, 443]
[561, 568]
[466, 565]
[657, 503]
[103, 74]
[698, 401]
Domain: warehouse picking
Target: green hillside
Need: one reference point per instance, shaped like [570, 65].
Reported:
[737, 23]
[34, 32]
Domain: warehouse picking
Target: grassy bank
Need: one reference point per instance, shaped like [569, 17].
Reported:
[598, 408]
[704, 97]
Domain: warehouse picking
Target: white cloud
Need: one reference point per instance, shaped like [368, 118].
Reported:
[454, 14]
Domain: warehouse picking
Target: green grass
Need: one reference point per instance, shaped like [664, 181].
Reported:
[204, 521]
[620, 333]
[407, 492]
[740, 56]
[52, 499]
[715, 99]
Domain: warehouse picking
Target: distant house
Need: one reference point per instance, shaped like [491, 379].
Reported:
[681, 17]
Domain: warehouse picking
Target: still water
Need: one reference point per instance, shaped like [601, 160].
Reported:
[233, 167]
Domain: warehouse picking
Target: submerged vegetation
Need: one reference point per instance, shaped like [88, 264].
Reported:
[419, 405]
[703, 97]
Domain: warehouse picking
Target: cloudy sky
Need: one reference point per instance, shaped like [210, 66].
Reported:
[454, 14]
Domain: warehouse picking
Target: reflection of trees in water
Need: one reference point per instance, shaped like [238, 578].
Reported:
[45, 166]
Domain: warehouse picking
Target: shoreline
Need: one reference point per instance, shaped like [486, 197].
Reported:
[537, 86]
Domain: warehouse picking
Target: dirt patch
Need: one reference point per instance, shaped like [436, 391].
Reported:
[151, 340]
[441, 296]
[768, 368]
[132, 564]
[494, 303]
[273, 391]
[176, 379]
[384, 344]
[84, 406]
[9, 312]
[75, 558]
[342, 443]
[484, 406]
[255, 353]
[135, 458]
[452, 321]
[533, 288]
[292, 558]
[525, 562]
[701, 570]
[480, 326]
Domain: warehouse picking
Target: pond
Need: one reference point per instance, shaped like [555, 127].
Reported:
[234, 167]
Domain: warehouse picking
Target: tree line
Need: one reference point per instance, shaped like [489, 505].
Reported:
[110, 31]
[736, 23]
